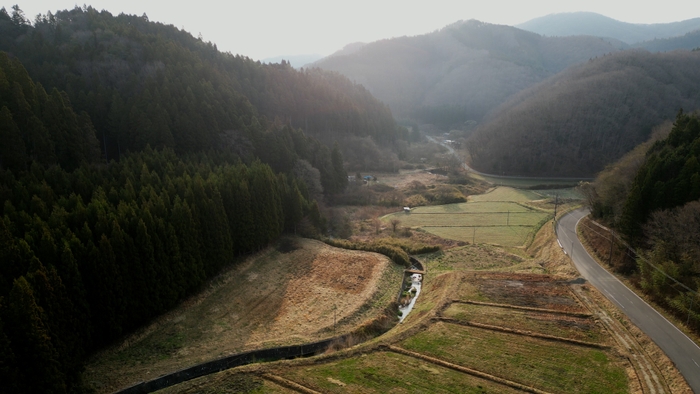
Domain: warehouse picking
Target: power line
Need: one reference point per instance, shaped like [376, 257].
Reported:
[636, 256]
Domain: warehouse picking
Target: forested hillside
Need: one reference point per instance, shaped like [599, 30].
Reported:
[575, 123]
[148, 83]
[687, 41]
[659, 213]
[592, 24]
[90, 251]
[669, 178]
[136, 161]
[462, 71]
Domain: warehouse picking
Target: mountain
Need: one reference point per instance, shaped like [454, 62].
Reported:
[348, 49]
[592, 24]
[461, 72]
[576, 122]
[144, 83]
[687, 41]
[296, 61]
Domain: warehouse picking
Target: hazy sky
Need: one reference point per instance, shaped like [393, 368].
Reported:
[267, 28]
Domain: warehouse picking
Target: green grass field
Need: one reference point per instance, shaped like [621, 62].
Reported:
[383, 372]
[550, 366]
[504, 223]
[506, 236]
[468, 258]
[506, 193]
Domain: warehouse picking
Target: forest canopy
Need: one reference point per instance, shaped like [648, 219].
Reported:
[136, 162]
[146, 83]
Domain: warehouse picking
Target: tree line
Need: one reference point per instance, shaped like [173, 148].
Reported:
[91, 254]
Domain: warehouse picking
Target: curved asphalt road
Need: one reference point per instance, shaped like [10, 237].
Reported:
[678, 347]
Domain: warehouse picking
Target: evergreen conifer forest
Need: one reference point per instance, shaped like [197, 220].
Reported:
[136, 162]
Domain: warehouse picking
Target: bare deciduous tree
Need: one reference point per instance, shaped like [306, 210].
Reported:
[395, 224]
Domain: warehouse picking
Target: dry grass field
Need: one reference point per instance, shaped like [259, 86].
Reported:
[581, 328]
[505, 193]
[271, 299]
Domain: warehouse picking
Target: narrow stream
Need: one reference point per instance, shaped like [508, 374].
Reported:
[416, 282]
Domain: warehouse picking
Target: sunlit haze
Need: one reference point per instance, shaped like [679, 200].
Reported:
[265, 28]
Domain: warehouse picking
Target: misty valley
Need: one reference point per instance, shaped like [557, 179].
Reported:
[429, 213]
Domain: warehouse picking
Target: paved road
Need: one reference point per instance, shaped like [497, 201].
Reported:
[508, 177]
[678, 347]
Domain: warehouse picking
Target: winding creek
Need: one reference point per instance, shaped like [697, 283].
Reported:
[416, 282]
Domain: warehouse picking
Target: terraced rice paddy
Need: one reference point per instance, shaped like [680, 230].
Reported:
[489, 320]
[382, 371]
[548, 365]
[504, 223]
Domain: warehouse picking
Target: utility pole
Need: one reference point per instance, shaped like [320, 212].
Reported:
[556, 202]
[572, 250]
[508, 218]
[473, 235]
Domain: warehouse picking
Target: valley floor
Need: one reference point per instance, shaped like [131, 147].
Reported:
[489, 319]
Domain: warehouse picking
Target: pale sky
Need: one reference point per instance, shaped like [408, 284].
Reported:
[265, 28]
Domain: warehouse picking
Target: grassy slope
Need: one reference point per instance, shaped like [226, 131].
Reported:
[270, 299]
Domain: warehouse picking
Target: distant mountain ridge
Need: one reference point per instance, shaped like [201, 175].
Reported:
[688, 41]
[578, 121]
[296, 61]
[592, 24]
[463, 71]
